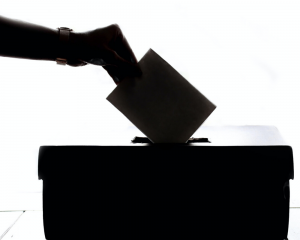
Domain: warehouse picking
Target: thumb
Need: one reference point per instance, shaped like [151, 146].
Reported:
[124, 66]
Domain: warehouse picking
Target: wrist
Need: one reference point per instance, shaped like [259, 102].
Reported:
[76, 46]
[70, 45]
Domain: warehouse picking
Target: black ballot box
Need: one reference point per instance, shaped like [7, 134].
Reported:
[233, 186]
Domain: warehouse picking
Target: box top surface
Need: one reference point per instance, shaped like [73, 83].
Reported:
[244, 143]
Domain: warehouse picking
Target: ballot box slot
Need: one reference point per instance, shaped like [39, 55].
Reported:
[191, 140]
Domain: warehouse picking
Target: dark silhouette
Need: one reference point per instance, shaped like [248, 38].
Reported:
[106, 47]
[236, 187]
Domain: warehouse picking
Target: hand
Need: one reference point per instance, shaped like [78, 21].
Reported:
[106, 47]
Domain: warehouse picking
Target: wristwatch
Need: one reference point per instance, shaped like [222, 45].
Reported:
[64, 35]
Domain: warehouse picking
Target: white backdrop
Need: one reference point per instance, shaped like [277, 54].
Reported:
[242, 55]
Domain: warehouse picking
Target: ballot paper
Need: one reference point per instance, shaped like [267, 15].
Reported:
[161, 103]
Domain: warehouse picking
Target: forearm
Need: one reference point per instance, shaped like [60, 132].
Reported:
[30, 41]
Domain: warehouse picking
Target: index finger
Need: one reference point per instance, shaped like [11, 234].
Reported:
[123, 48]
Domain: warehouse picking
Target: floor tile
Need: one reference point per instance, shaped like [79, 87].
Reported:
[7, 219]
[29, 226]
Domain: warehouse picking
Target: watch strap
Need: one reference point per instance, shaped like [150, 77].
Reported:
[64, 36]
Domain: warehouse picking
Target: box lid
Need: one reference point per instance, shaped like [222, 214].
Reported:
[261, 148]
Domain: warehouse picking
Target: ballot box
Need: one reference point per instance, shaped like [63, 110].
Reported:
[231, 184]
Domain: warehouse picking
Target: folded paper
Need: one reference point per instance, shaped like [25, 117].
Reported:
[161, 103]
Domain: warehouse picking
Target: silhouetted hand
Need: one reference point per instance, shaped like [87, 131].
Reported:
[108, 48]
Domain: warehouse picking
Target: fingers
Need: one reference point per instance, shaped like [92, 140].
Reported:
[114, 74]
[121, 66]
[122, 47]
[117, 74]
[121, 62]
[109, 48]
